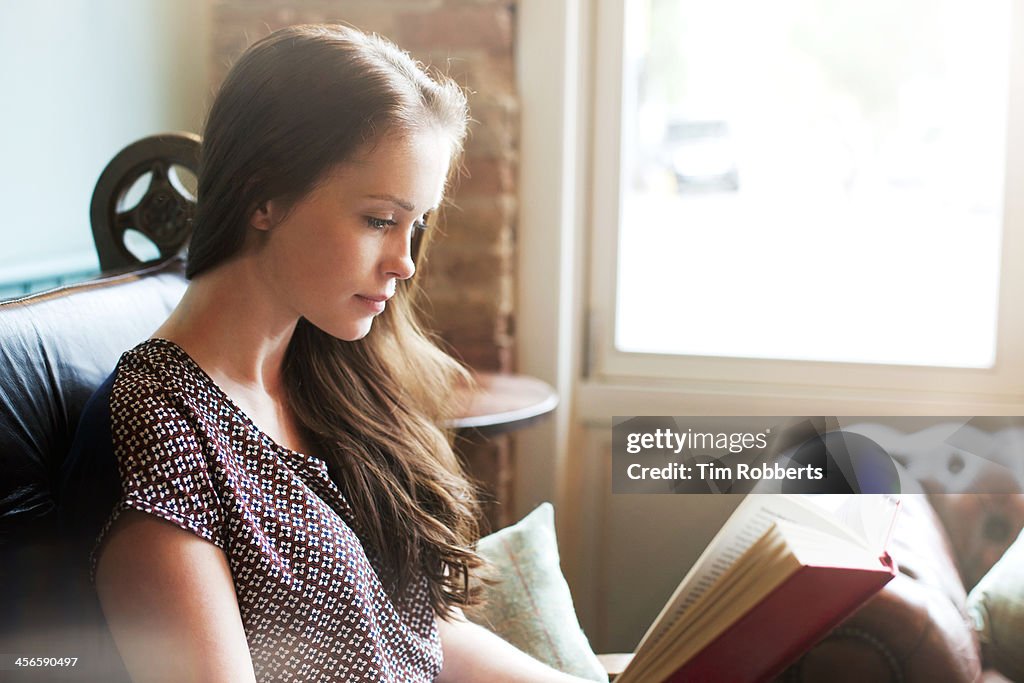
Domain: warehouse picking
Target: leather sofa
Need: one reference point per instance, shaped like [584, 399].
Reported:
[56, 347]
[955, 523]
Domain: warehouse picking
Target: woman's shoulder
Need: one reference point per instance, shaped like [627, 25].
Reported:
[154, 359]
[146, 391]
[161, 407]
[158, 368]
[156, 385]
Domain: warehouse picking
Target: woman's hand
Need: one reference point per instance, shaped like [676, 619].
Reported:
[170, 603]
[472, 653]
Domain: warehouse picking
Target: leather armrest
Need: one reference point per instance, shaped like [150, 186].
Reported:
[916, 629]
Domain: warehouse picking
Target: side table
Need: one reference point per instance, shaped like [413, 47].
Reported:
[497, 406]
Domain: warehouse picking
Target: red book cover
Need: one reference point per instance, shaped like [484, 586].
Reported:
[785, 624]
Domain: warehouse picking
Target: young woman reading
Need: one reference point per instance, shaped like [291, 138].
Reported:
[290, 509]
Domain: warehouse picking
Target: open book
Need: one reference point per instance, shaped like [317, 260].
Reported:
[782, 572]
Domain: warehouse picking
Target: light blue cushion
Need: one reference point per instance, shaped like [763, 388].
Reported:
[996, 605]
[531, 606]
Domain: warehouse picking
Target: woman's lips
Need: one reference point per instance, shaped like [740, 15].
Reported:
[376, 303]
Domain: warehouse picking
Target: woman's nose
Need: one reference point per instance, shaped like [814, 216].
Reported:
[399, 262]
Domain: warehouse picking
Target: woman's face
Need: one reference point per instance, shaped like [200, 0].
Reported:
[337, 255]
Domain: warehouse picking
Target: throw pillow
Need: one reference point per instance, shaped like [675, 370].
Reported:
[530, 605]
[996, 605]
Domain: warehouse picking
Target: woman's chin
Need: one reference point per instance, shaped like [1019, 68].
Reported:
[355, 331]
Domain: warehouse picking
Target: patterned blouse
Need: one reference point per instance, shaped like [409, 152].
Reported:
[310, 598]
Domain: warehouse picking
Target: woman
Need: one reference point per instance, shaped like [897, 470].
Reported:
[290, 509]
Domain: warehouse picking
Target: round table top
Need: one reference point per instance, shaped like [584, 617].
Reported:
[504, 402]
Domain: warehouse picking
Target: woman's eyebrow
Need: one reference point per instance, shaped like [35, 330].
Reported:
[407, 205]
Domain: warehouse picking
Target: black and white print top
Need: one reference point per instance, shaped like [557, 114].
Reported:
[311, 601]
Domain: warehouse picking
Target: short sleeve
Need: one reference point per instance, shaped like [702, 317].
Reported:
[161, 462]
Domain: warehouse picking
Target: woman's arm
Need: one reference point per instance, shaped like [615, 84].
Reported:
[472, 653]
[170, 603]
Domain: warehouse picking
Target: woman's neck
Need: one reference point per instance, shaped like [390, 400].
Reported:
[233, 328]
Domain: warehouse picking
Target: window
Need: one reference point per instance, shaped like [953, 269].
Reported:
[807, 192]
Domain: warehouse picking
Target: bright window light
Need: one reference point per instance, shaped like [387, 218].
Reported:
[813, 180]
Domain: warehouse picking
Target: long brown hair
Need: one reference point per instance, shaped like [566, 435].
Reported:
[297, 103]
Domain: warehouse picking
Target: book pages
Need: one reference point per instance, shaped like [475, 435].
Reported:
[749, 522]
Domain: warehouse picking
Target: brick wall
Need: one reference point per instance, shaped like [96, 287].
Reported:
[469, 278]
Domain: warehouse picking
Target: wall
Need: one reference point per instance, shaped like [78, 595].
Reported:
[82, 79]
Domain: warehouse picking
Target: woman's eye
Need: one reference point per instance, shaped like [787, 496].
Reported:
[421, 224]
[379, 223]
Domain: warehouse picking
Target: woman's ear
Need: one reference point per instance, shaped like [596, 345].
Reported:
[263, 216]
